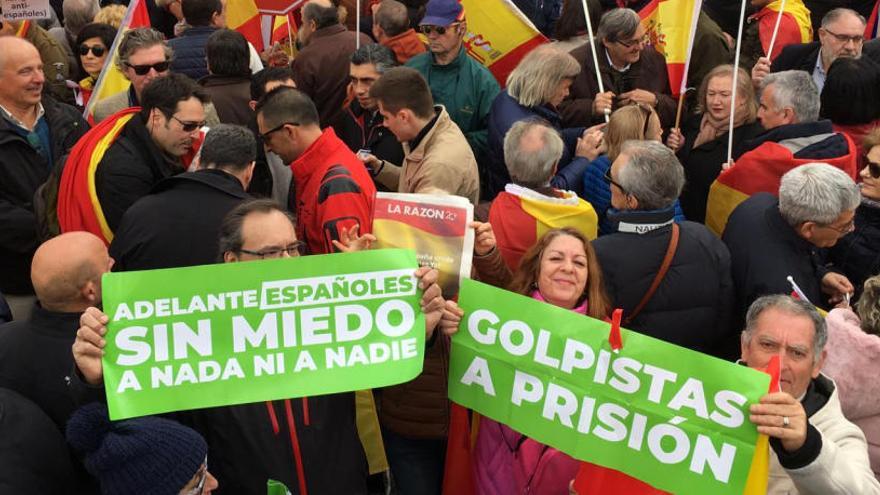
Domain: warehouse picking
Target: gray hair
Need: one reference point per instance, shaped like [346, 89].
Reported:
[138, 39]
[791, 306]
[653, 175]
[380, 56]
[538, 75]
[392, 16]
[532, 167]
[816, 192]
[794, 89]
[618, 24]
[78, 13]
[834, 14]
[229, 146]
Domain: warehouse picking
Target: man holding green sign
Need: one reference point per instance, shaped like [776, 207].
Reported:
[238, 333]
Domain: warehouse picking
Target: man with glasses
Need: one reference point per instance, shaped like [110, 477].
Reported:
[458, 82]
[773, 239]
[150, 147]
[632, 72]
[841, 35]
[334, 191]
[177, 223]
[671, 278]
[35, 132]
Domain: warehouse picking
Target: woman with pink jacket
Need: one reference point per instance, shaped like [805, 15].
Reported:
[853, 353]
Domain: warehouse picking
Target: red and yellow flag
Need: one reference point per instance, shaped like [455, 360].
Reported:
[498, 35]
[78, 204]
[670, 26]
[795, 27]
[760, 170]
[519, 218]
[262, 22]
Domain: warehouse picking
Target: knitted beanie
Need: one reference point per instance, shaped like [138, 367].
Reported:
[148, 455]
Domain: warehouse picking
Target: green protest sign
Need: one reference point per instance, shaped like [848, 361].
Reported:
[673, 418]
[235, 333]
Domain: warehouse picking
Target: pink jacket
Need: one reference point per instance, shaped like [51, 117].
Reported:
[852, 363]
[509, 463]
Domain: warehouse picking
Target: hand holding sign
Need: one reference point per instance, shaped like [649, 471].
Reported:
[88, 348]
[779, 415]
[432, 299]
[451, 320]
[484, 238]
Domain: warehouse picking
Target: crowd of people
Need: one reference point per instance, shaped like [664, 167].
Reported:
[727, 221]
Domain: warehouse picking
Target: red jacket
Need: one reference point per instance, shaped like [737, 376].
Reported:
[405, 45]
[333, 190]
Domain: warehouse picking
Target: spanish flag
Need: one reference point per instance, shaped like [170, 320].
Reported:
[263, 22]
[498, 35]
[670, 26]
[78, 204]
[760, 170]
[795, 27]
[520, 216]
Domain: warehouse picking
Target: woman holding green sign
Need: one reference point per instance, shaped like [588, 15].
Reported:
[560, 269]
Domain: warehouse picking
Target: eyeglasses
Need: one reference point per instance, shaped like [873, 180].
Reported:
[873, 168]
[275, 129]
[190, 126]
[203, 477]
[97, 50]
[441, 30]
[291, 250]
[633, 42]
[143, 70]
[846, 229]
[857, 39]
[611, 181]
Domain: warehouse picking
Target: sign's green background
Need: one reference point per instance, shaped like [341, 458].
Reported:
[714, 373]
[184, 283]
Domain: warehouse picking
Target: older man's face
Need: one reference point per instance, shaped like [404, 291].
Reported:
[778, 333]
[265, 236]
[842, 38]
[626, 51]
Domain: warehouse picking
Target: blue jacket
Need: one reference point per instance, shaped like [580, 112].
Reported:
[189, 52]
[506, 111]
[598, 192]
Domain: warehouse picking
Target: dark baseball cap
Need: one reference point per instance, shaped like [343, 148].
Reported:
[442, 13]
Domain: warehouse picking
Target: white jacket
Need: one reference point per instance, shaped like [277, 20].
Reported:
[842, 467]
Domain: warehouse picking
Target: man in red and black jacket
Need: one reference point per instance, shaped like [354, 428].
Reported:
[333, 188]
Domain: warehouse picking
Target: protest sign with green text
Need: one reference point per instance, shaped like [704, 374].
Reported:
[673, 418]
[235, 333]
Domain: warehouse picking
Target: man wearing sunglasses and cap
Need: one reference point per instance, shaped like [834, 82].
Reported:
[458, 82]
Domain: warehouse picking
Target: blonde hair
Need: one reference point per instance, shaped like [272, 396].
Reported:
[629, 123]
[868, 306]
[538, 75]
[112, 15]
[745, 91]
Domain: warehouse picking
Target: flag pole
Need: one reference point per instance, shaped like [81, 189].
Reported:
[776, 28]
[357, 27]
[683, 89]
[739, 37]
[595, 56]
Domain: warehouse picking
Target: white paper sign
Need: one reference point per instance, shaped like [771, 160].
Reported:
[20, 10]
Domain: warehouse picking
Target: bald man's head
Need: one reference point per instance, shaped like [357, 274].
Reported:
[66, 271]
[21, 74]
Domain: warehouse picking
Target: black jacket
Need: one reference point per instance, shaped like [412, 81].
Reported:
[360, 130]
[692, 305]
[178, 223]
[765, 250]
[189, 52]
[128, 171]
[703, 164]
[857, 255]
[803, 56]
[23, 170]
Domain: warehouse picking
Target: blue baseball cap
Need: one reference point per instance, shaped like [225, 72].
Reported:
[442, 13]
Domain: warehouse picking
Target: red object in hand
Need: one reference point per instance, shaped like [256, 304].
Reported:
[614, 337]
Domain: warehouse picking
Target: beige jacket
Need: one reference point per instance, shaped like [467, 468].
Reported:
[442, 160]
[842, 467]
[119, 101]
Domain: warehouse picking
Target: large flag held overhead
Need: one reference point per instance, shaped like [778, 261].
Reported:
[795, 27]
[499, 35]
[670, 26]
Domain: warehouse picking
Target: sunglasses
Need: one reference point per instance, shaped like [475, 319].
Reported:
[873, 168]
[275, 129]
[189, 126]
[143, 70]
[440, 30]
[97, 50]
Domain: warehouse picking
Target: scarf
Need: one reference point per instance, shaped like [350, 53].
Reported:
[711, 128]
